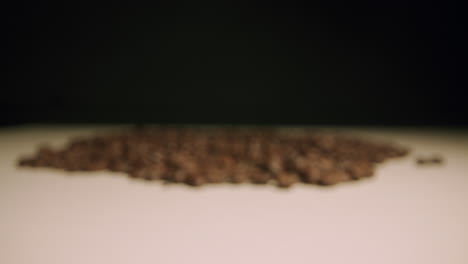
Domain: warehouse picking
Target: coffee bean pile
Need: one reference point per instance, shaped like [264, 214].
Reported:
[202, 156]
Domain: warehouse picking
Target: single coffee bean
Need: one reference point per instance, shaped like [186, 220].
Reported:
[238, 177]
[358, 169]
[194, 180]
[259, 177]
[97, 165]
[312, 174]
[429, 160]
[437, 160]
[333, 177]
[286, 179]
[137, 173]
[215, 175]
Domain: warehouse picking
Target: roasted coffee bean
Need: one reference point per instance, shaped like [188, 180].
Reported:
[259, 177]
[286, 179]
[358, 169]
[437, 160]
[137, 173]
[95, 166]
[333, 177]
[119, 165]
[312, 174]
[180, 176]
[45, 153]
[275, 164]
[27, 162]
[238, 177]
[194, 180]
[215, 175]
[429, 160]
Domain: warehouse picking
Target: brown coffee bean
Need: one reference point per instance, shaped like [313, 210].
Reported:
[27, 162]
[259, 177]
[238, 177]
[119, 165]
[215, 175]
[358, 169]
[194, 180]
[333, 177]
[275, 164]
[325, 163]
[180, 176]
[286, 179]
[137, 173]
[429, 160]
[312, 174]
[301, 164]
[437, 160]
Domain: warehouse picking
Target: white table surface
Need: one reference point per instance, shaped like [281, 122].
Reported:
[405, 214]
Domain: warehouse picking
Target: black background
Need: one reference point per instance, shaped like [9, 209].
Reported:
[327, 63]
